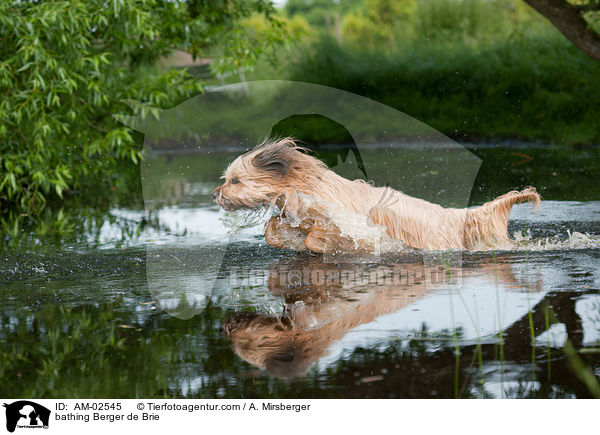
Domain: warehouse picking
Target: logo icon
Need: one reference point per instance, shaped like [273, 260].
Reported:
[182, 142]
[26, 414]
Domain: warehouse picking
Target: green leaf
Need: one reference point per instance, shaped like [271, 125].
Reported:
[64, 66]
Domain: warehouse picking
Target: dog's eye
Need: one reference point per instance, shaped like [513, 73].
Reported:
[234, 181]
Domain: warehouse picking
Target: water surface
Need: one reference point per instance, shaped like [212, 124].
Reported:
[241, 319]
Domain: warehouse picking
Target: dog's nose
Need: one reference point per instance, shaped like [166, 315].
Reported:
[213, 195]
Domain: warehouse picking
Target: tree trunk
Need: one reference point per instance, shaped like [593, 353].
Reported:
[568, 19]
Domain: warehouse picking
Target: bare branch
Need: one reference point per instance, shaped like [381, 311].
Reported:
[568, 19]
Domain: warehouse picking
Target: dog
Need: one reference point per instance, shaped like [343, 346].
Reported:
[315, 202]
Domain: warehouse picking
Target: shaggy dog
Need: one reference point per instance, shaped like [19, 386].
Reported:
[316, 204]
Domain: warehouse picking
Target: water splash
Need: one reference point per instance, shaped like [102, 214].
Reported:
[574, 240]
[238, 220]
[360, 229]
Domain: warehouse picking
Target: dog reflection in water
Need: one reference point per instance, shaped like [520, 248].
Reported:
[324, 301]
[316, 204]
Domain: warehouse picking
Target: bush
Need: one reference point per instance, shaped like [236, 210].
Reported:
[536, 87]
[461, 19]
[360, 31]
[64, 66]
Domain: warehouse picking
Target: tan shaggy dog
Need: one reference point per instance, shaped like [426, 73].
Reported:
[315, 202]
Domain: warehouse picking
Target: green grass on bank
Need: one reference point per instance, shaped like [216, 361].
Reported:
[534, 87]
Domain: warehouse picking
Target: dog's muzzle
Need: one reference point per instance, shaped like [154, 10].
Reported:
[222, 201]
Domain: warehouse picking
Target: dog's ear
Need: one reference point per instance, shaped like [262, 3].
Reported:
[275, 159]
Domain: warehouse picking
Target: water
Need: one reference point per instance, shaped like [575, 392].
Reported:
[85, 313]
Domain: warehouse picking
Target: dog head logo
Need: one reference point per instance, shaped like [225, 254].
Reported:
[183, 157]
[26, 414]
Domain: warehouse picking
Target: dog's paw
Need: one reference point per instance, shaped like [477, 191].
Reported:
[317, 241]
[281, 235]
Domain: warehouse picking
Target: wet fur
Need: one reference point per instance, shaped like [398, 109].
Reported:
[277, 172]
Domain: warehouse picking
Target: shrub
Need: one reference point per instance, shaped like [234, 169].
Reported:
[64, 66]
[536, 87]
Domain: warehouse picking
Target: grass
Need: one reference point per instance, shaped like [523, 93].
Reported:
[535, 87]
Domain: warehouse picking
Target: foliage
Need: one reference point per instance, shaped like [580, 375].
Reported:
[387, 11]
[593, 16]
[392, 24]
[319, 13]
[469, 68]
[532, 87]
[259, 26]
[359, 30]
[378, 24]
[64, 66]
[463, 19]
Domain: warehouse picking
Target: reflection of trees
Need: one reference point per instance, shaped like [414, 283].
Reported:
[86, 352]
[110, 349]
[110, 345]
[434, 374]
[78, 219]
[75, 224]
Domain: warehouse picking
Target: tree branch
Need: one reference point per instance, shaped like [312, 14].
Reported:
[568, 19]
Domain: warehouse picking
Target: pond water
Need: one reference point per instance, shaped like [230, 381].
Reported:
[121, 303]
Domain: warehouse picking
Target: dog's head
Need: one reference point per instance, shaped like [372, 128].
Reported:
[272, 343]
[258, 177]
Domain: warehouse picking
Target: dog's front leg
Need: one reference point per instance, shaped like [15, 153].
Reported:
[289, 204]
[330, 240]
[282, 235]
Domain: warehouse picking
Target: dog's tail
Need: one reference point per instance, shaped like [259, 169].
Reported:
[489, 223]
